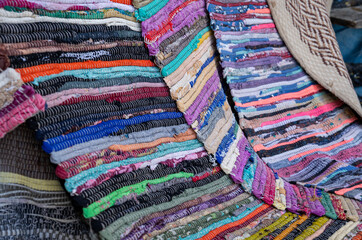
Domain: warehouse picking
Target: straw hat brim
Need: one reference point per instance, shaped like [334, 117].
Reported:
[305, 27]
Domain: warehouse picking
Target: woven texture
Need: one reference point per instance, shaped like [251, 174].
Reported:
[33, 204]
[136, 139]
[189, 90]
[299, 129]
[173, 58]
[126, 155]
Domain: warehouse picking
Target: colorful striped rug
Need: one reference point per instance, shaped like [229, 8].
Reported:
[304, 133]
[117, 123]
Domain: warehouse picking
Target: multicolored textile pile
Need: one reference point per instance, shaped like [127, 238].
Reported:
[121, 146]
[143, 144]
[126, 155]
[184, 50]
[196, 55]
[25, 102]
[297, 127]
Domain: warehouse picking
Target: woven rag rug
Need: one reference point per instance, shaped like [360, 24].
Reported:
[126, 155]
[33, 204]
[143, 138]
[178, 34]
[303, 132]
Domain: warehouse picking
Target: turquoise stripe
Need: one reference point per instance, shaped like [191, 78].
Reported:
[328, 177]
[103, 73]
[238, 41]
[249, 173]
[162, 150]
[150, 9]
[184, 54]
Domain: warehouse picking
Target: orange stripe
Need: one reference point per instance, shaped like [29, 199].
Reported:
[358, 236]
[188, 135]
[126, 2]
[344, 190]
[321, 149]
[28, 74]
[265, 10]
[223, 228]
[291, 227]
[314, 112]
[305, 92]
[261, 146]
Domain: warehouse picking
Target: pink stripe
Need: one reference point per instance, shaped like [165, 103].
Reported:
[325, 149]
[344, 190]
[313, 113]
[261, 146]
[263, 26]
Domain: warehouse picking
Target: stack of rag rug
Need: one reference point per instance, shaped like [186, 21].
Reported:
[299, 129]
[126, 155]
[143, 137]
[178, 34]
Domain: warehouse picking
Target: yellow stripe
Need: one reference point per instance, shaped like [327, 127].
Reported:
[204, 37]
[37, 184]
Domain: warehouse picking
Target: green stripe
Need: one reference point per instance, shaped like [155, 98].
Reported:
[109, 200]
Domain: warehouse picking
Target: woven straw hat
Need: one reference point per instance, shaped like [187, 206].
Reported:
[307, 31]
